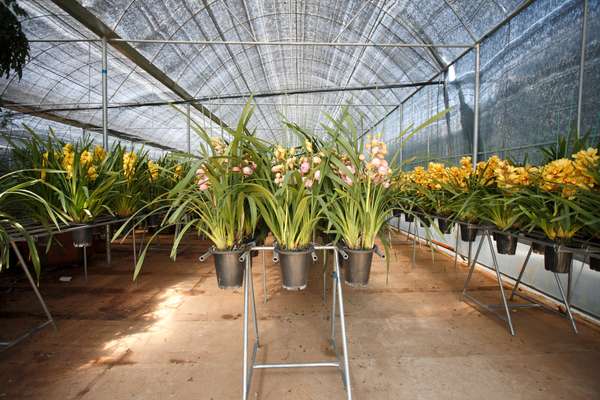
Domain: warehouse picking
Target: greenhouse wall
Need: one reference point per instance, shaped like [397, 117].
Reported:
[530, 70]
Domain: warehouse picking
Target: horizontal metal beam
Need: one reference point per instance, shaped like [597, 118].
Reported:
[216, 103]
[211, 99]
[262, 43]
[78, 124]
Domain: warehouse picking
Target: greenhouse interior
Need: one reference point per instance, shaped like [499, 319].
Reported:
[299, 199]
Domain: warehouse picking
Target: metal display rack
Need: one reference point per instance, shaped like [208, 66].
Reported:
[485, 232]
[505, 305]
[250, 364]
[37, 231]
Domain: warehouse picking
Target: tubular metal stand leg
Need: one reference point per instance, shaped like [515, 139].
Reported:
[518, 282]
[472, 268]
[85, 274]
[49, 321]
[499, 278]
[566, 301]
[108, 255]
[265, 290]
[456, 246]
[324, 277]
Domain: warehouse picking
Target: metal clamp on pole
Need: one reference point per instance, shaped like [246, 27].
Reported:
[378, 251]
[275, 255]
[205, 256]
[313, 254]
[344, 255]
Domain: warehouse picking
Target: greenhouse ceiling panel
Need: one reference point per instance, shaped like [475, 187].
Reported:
[312, 53]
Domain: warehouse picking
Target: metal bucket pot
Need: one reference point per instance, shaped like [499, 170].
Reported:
[153, 221]
[595, 263]
[538, 248]
[357, 267]
[294, 268]
[230, 270]
[555, 261]
[468, 232]
[506, 243]
[409, 217]
[445, 225]
[424, 221]
[82, 237]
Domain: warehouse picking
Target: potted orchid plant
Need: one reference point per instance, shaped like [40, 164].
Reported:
[213, 200]
[360, 202]
[554, 207]
[288, 198]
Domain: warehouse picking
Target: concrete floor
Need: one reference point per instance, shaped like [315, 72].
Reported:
[175, 335]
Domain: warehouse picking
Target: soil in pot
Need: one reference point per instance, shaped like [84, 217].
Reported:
[357, 267]
[294, 268]
[468, 232]
[505, 243]
[229, 268]
[557, 261]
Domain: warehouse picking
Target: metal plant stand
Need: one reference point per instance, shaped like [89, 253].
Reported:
[49, 320]
[249, 362]
[506, 306]
[37, 231]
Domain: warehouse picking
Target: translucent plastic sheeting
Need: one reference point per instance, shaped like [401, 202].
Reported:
[70, 72]
[529, 88]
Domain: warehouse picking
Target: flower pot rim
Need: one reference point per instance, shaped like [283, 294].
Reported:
[346, 248]
[231, 251]
[305, 250]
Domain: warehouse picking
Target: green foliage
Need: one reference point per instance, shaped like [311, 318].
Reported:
[13, 42]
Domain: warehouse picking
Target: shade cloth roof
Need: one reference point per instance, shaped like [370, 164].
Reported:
[64, 78]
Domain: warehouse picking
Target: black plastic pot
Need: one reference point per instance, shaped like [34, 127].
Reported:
[445, 225]
[229, 268]
[294, 267]
[409, 217]
[468, 232]
[396, 212]
[506, 243]
[357, 267]
[595, 263]
[82, 237]
[424, 221]
[153, 221]
[557, 261]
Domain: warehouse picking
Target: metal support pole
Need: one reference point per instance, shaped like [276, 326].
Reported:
[245, 334]
[189, 130]
[456, 245]
[401, 156]
[346, 370]
[472, 267]
[582, 66]
[105, 124]
[566, 301]
[85, 272]
[518, 282]
[32, 283]
[500, 284]
[476, 106]
[265, 290]
[108, 254]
